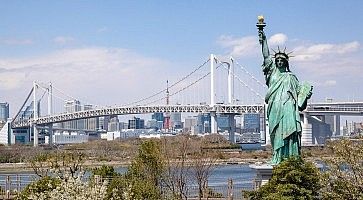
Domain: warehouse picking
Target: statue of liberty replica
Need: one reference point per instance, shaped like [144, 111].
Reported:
[285, 98]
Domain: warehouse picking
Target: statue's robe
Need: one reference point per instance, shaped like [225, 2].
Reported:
[283, 112]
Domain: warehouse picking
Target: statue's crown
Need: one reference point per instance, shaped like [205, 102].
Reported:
[281, 54]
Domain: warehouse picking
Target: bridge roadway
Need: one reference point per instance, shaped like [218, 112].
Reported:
[219, 108]
[334, 108]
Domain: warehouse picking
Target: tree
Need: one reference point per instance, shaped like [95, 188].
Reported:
[202, 170]
[54, 169]
[291, 179]
[143, 178]
[177, 174]
[57, 163]
[343, 178]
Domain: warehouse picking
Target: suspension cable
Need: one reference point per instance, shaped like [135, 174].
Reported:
[180, 80]
[184, 88]
[240, 80]
[250, 75]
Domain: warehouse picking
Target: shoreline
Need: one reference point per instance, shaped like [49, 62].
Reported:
[26, 168]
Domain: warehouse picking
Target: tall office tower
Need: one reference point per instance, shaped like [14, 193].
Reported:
[103, 122]
[203, 123]
[158, 116]
[190, 123]
[136, 123]
[175, 121]
[73, 106]
[114, 124]
[223, 123]
[4, 111]
[152, 123]
[90, 123]
[251, 123]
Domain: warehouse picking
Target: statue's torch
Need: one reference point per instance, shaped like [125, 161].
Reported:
[260, 24]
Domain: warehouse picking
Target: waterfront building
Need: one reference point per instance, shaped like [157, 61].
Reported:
[103, 123]
[175, 120]
[90, 123]
[158, 116]
[190, 123]
[114, 124]
[223, 123]
[160, 125]
[251, 123]
[203, 123]
[6, 134]
[136, 123]
[72, 138]
[70, 107]
[152, 123]
[4, 111]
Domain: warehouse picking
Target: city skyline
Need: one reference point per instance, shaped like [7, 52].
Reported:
[109, 46]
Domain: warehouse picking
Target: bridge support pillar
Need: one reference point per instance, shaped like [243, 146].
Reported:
[307, 131]
[35, 135]
[213, 125]
[267, 130]
[232, 128]
[50, 131]
[337, 125]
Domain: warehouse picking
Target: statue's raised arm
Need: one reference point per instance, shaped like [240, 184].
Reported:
[267, 60]
[263, 42]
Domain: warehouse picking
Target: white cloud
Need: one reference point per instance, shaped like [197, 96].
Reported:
[247, 46]
[12, 41]
[11, 80]
[239, 47]
[63, 40]
[96, 74]
[278, 39]
[316, 51]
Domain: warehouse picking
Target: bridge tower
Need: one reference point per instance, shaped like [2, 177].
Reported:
[232, 124]
[167, 114]
[50, 112]
[35, 115]
[213, 114]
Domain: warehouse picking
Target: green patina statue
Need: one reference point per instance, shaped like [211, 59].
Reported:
[285, 98]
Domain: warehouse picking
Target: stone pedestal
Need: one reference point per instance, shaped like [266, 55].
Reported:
[263, 172]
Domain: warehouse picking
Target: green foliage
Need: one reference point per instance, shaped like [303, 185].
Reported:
[105, 171]
[46, 183]
[213, 194]
[142, 180]
[344, 176]
[291, 179]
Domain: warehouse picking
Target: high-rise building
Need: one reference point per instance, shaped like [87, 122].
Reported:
[251, 123]
[136, 123]
[203, 123]
[158, 116]
[114, 124]
[90, 123]
[4, 112]
[190, 123]
[70, 107]
[152, 123]
[175, 121]
[103, 122]
[223, 123]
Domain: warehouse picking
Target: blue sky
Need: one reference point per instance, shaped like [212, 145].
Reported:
[118, 48]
